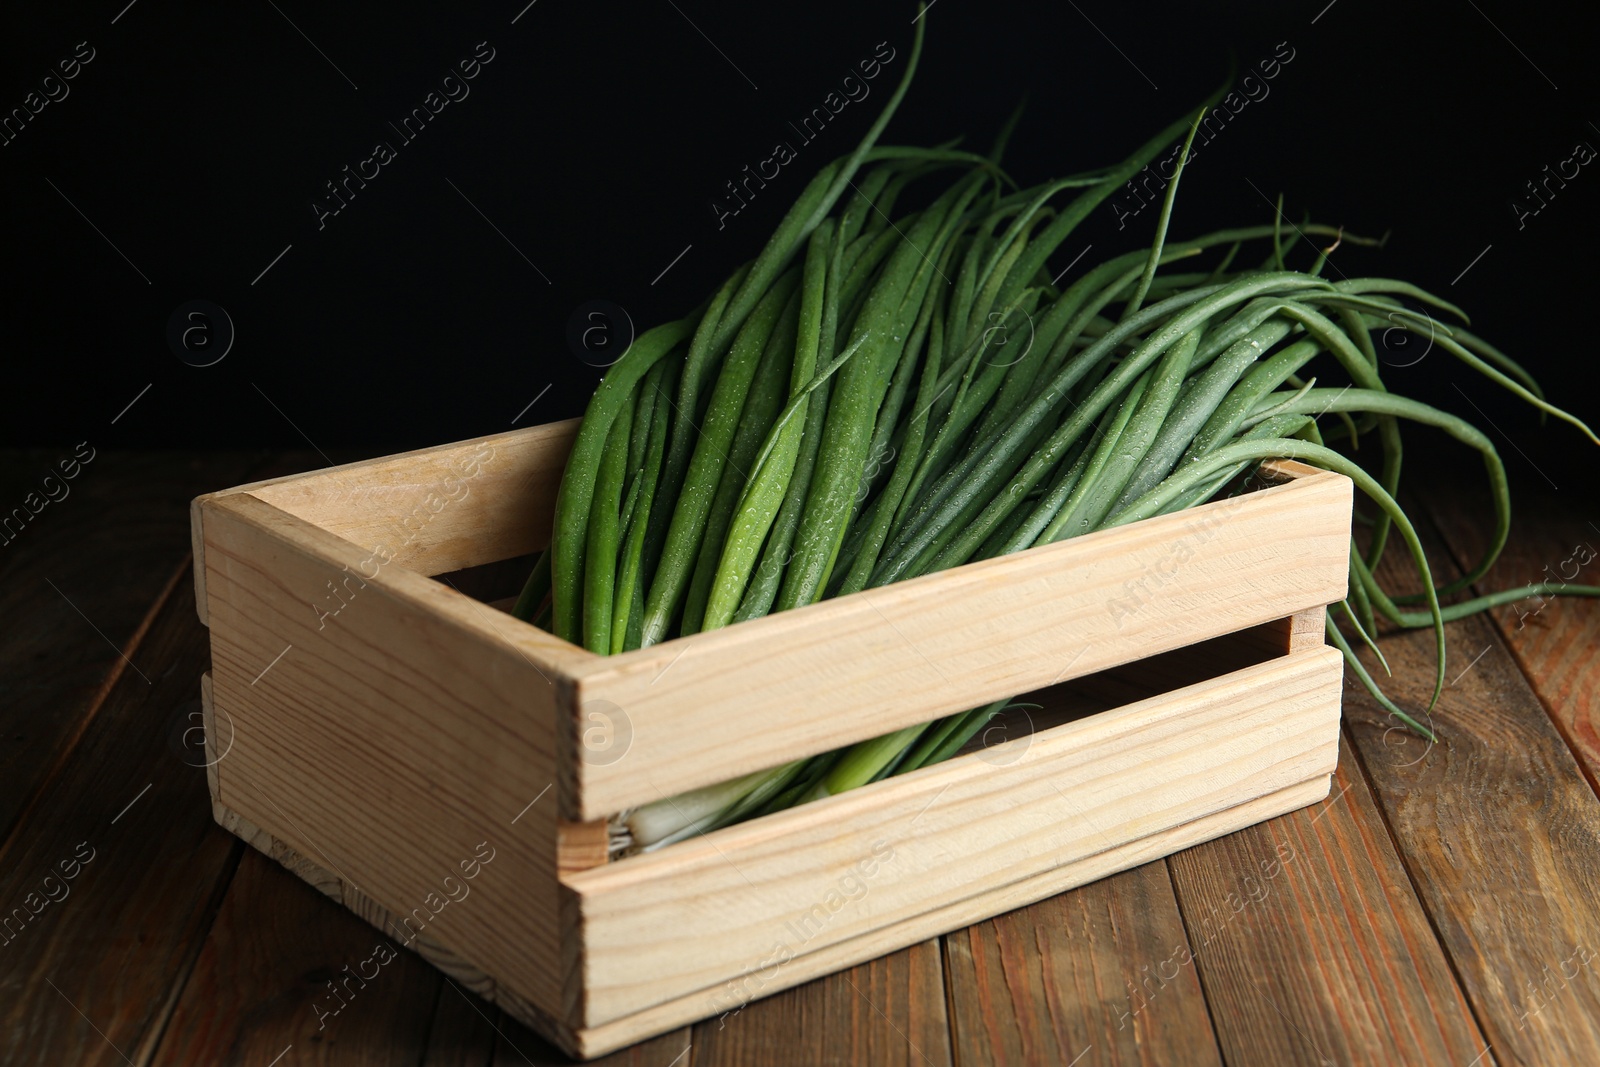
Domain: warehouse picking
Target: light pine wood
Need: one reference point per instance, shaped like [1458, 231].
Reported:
[1061, 875]
[859, 666]
[835, 869]
[609, 1036]
[581, 845]
[664, 1018]
[336, 888]
[591, 1041]
[216, 746]
[382, 724]
[392, 740]
[1508, 847]
[1292, 633]
[436, 509]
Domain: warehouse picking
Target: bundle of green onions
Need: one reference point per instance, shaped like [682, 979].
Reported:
[850, 409]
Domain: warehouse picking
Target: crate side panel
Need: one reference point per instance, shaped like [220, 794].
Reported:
[714, 706]
[439, 509]
[610, 1036]
[404, 749]
[711, 910]
[330, 885]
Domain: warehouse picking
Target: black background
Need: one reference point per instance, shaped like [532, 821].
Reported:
[199, 136]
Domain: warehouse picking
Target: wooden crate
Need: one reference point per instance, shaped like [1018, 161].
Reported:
[446, 770]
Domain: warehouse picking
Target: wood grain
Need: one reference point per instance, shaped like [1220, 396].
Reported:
[1500, 833]
[581, 845]
[393, 742]
[355, 762]
[436, 509]
[598, 1040]
[1312, 945]
[955, 916]
[1497, 828]
[119, 943]
[888, 1011]
[886, 658]
[845, 867]
[1082, 978]
[281, 971]
[1554, 639]
[97, 560]
[463, 976]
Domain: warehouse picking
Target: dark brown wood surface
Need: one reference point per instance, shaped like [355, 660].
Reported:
[1093, 976]
[1499, 828]
[1325, 884]
[77, 589]
[1438, 907]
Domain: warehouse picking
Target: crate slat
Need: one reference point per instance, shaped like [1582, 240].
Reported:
[436, 509]
[715, 706]
[714, 910]
[382, 730]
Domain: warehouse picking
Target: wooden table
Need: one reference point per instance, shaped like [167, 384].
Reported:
[1442, 906]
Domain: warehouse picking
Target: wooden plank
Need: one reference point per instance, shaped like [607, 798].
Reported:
[436, 509]
[77, 588]
[848, 865]
[1499, 831]
[631, 1030]
[1553, 638]
[406, 933]
[517, 1046]
[1113, 597]
[462, 1032]
[380, 778]
[888, 1011]
[944, 642]
[1082, 978]
[392, 742]
[1079, 975]
[127, 928]
[283, 974]
[1312, 946]
[581, 845]
[951, 917]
